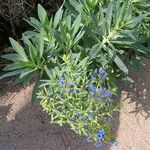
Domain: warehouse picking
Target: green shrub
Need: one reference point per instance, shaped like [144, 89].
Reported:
[77, 96]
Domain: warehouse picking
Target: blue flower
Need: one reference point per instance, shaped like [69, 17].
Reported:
[107, 94]
[100, 134]
[90, 132]
[63, 90]
[88, 139]
[93, 78]
[73, 120]
[98, 98]
[85, 119]
[74, 91]
[101, 71]
[98, 144]
[90, 115]
[115, 143]
[70, 84]
[104, 76]
[61, 80]
[92, 87]
[106, 100]
[102, 90]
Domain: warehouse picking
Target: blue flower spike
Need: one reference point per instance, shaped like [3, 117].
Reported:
[101, 71]
[70, 84]
[90, 115]
[105, 75]
[98, 144]
[107, 94]
[98, 98]
[61, 80]
[74, 91]
[100, 134]
[88, 139]
[73, 120]
[92, 87]
[85, 119]
[93, 78]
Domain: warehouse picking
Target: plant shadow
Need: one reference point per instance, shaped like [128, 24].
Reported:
[139, 92]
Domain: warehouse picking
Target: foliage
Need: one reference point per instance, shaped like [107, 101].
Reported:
[113, 30]
[74, 95]
[71, 55]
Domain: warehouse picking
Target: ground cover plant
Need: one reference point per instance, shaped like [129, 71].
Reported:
[78, 56]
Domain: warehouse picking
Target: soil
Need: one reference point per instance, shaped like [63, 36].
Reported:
[24, 126]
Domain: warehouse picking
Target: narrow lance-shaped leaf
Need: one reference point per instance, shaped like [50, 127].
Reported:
[19, 49]
[41, 43]
[48, 71]
[13, 73]
[122, 12]
[118, 61]
[70, 7]
[133, 22]
[94, 50]
[76, 24]
[35, 90]
[14, 66]
[28, 71]
[109, 16]
[58, 16]
[13, 57]
[42, 14]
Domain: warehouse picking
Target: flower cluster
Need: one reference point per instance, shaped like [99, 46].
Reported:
[83, 106]
[103, 74]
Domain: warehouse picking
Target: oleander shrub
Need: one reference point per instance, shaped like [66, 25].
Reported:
[77, 57]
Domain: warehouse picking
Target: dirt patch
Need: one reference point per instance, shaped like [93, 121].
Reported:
[24, 126]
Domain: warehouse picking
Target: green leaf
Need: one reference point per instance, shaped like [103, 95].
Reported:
[13, 57]
[48, 71]
[26, 79]
[35, 90]
[128, 33]
[18, 48]
[58, 17]
[121, 65]
[122, 12]
[27, 71]
[14, 66]
[13, 73]
[76, 24]
[41, 43]
[127, 80]
[118, 61]
[79, 36]
[140, 48]
[94, 50]
[42, 14]
[34, 23]
[133, 22]
[109, 16]
[70, 6]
